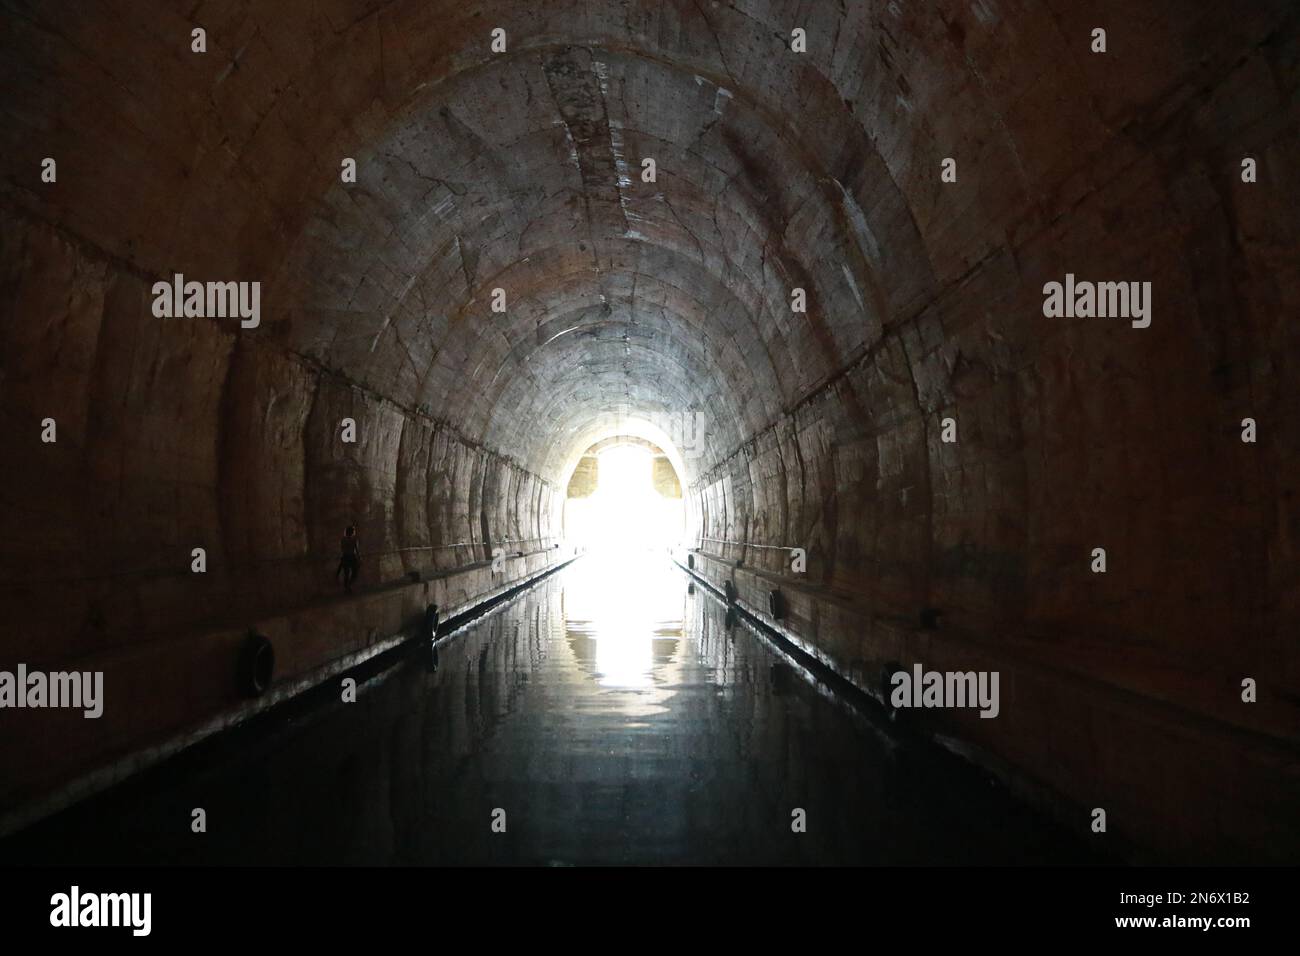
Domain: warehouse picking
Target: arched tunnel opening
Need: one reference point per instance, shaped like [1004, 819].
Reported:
[945, 354]
[624, 496]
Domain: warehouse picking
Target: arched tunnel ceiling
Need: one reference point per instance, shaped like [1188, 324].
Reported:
[522, 172]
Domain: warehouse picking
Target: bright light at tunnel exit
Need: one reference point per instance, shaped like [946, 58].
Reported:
[625, 513]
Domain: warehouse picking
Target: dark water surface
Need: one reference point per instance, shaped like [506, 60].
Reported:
[612, 718]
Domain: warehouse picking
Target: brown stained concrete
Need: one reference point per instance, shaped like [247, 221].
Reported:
[1213, 782]
[169, 694]
[586, 475]
[651, 302]
[664, 477]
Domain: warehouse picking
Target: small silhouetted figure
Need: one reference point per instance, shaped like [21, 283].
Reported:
[350, 562]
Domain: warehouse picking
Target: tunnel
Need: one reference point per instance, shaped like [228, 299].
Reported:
[959, 340]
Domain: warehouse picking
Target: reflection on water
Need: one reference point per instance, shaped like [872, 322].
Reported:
[613, 718]
[623, 622]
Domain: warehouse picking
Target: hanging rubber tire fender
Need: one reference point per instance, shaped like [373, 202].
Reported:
[776, 604]
[256, 665]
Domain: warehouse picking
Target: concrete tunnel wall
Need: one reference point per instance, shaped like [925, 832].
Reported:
[667, 302]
